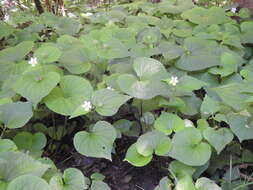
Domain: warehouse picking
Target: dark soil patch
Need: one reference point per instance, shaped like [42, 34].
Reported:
[119, 174]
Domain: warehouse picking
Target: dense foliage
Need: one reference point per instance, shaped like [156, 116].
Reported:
[175, 77]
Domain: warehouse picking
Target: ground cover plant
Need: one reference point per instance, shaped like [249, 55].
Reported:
[97, 99]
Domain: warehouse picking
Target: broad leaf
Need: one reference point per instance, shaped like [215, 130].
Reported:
[240, 126]
[15, 115]
[107, 102]
[98, 142]
[153, 142]
[28, 182]
[99, 185]
[31, 142]
[47, 54]
[72, 179]
[206, 184]
[168, 122]
[37, 84]
[218, 138]
[71, 93]
[15, 164]
[7, 145]
[135, 158]
[188, 148]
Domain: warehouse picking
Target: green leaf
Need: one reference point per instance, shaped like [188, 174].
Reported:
[247, 32]
[15, 164]
[37, 84]
[28, 182]
[70, 94]
[66, 25]
[240, 126]
[206, 184]
[180, 170]
[107, 102]
[188, 148]
[72, 179]
[188, 83]
[7, 145]
[16, 53]
[168, 122]
[147, 89]
[31, 142]
[154, 141]
[98, 142]
[47, 54]
[164, 184]
[15, 115]
[75, 60]
[147, 68]
[218, 138]
[99, 185]
[231, 95]
[135, 158]
[209, 106]
[205, 17]
[228, 65]
[199, 54]
[185, 183]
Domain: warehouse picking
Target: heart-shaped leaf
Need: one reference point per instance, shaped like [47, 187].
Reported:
[168, 122]
[71, 93]
[98, 142]
[240, 126]
[72, 179]
[37, 84]
[209, 106]
[135, 158]
[206, 184]
[188, 148]
[218, 138]
[15, 115]
[154, 141]
[47, 54]
[99, 185]
[107, 102]
[31, 142]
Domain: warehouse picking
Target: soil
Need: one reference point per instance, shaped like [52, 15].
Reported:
[120, 175]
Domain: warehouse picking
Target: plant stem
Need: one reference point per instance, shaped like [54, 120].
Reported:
[244, 185]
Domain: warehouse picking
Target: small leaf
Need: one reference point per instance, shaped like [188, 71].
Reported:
[154, 141]
[168, 122]
[181, 170]
[97, 143]
[72, 179]
[135, 158]
[99, 185]
[206, 184]
[185, 183]
[218, 138]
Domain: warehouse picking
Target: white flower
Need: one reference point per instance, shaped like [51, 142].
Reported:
[33, 61]
[109, 88]
[87, 106]
[188, 123]
[233, 10]
[6, 18]
[247, 126]
[174, 80]
[3, 2]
